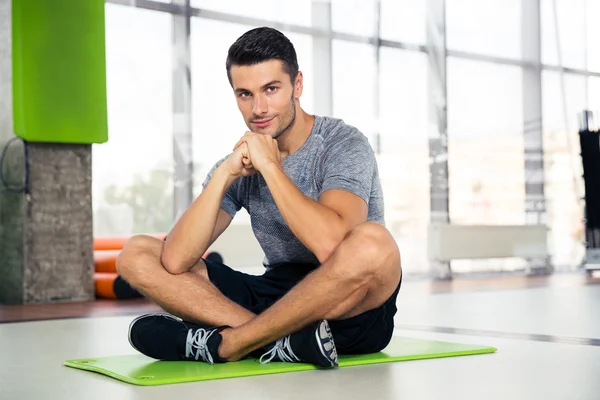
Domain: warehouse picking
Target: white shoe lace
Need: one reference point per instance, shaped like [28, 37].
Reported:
[195, 345]
[282, 350]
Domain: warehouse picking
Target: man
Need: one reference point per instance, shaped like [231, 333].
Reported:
[311, 187]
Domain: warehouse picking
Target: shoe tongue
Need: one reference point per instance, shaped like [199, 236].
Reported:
[213, 343]
[181, 341]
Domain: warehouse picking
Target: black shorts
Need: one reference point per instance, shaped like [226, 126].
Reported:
[368, 332]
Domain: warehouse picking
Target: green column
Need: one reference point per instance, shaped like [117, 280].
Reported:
[59, 71]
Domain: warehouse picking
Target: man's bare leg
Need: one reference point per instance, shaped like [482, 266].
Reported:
[362, 274]
[190, 295]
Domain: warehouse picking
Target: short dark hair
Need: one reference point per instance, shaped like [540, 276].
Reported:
[263, 44]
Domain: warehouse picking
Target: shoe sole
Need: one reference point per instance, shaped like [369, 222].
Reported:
[146, 316]
[321, 344]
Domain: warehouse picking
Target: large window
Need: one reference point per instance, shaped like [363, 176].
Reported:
[403, 21]
[563, 32]
[404, 158]
[564, 96]
[594, 96]
[400, 20]
[485, 135]
[354, 73]
[490, 27]
[401, 126]
[485, 142]
[386, 99]
[592, 35]
[564, 186]
[354, 16]
[296, 12]
[132, 189]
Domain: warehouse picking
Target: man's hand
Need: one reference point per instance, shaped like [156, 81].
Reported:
[238, 163]
[263, 150]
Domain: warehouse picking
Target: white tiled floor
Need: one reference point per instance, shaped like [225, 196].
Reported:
[565, 311]
[31, 356]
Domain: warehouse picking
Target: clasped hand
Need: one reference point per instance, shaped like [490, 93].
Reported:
[252, 153]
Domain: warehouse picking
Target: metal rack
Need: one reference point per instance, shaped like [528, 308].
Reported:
[589, 139]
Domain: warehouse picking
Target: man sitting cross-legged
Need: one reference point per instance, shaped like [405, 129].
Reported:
[312, 189]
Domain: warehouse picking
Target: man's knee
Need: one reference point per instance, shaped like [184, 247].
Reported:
[373, 241]
[372, 245]
[132, 261]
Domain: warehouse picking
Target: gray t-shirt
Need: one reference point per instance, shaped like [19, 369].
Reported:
[335, 156]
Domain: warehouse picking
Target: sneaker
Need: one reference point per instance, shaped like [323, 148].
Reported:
[166, 337]
[313, 344]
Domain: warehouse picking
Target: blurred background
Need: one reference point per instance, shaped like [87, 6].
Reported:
[490, 81]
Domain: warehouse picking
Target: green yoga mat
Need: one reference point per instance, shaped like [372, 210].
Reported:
[141, 370]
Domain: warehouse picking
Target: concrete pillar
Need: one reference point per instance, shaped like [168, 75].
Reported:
[535, 199]
[438, 122]
[11, 204]
[46, 243]
[322, 58]
[182, 110]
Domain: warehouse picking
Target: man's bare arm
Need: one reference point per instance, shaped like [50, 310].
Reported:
[320, 226]
[204, 221]
[198, 227]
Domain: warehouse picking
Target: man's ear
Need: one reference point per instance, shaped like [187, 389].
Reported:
[298, 85]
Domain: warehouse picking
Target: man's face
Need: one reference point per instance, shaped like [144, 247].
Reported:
[266, 97]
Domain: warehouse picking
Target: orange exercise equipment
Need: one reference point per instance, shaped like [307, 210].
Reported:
[117, 242]
[112, 286]
[109, 284]
[105, 260]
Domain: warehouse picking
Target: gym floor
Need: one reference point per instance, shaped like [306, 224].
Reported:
[546, 329]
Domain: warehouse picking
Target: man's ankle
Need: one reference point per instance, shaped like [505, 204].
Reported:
[227, 350]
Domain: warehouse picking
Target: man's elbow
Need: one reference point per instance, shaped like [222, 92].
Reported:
[326, 250]
[173, 264]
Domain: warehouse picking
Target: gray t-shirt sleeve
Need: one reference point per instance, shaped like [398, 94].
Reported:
[349, 164]
[230, 203]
